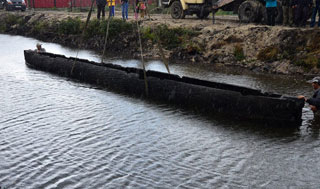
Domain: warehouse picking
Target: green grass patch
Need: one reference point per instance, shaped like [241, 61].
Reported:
[169, 38]
[70, 26]
[221, 12]
[269, 54]
[40, 27]
[11, 20]
[117, 27]
[238, 52]
[307, 62]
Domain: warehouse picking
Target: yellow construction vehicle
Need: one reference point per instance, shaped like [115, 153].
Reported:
[247, 10]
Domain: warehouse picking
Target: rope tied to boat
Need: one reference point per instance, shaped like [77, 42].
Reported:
[82, 35]
[139, 39]
[141, 54]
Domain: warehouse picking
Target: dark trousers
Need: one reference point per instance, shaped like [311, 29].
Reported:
[301, 15]
[101, 9]
[287, 15]
[316, 10]
[271, 13]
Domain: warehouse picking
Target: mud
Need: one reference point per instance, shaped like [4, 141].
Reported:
[261, 48]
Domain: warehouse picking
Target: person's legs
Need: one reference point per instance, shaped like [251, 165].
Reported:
[313, 17]
[112, 10]
[103, 9]
[297, 16]
[285, 13]
[291, 17]
[273, 16]
[123, 7]
[304, 18]
[99, 11]
[126, 9]
[318, 10]
[269, 16]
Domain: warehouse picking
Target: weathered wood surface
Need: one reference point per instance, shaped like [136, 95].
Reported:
[200, 95]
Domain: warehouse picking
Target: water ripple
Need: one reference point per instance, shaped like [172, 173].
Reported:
[58, 133]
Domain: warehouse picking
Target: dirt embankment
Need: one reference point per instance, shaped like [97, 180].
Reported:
[227, 43]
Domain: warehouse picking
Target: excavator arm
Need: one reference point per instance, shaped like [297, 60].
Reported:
[221, 3]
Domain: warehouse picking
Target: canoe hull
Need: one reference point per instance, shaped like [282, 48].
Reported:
[203, 96]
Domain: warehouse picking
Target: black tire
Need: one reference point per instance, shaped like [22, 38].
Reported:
[176, 10]
[204, 16]
[249, 11]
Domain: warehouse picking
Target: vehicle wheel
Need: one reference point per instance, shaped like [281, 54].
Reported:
[176, 10]
[204, 16]
[249, 11]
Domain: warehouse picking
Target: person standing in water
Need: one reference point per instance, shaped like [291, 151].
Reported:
[314, 101]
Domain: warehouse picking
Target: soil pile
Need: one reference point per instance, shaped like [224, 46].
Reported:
[227, 43]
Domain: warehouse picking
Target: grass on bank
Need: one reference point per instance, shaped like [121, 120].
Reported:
[169, 38]
[310, 59]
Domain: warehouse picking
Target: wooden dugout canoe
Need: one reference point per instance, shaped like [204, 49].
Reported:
[200, 95]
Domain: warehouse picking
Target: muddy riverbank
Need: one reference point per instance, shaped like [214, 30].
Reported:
[278, 49]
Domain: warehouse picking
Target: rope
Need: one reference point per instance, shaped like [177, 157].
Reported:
[82, 35]
[106, 40]
[142, 61]
[164, 60]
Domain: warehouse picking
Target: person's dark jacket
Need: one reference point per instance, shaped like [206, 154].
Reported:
[302, 3]
[101, 2]
[315, 100]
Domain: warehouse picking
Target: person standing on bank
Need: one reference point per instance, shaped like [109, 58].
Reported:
[287, 11]
[316, 9]
[101, 5]
[314, 102]
[142, 8]
[111, 4]
[271, 6]
[301, 12]
[124, 6]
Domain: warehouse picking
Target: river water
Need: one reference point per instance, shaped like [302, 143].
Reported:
[59, 133]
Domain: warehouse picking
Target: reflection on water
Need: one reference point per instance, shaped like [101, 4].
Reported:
[58, 133]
